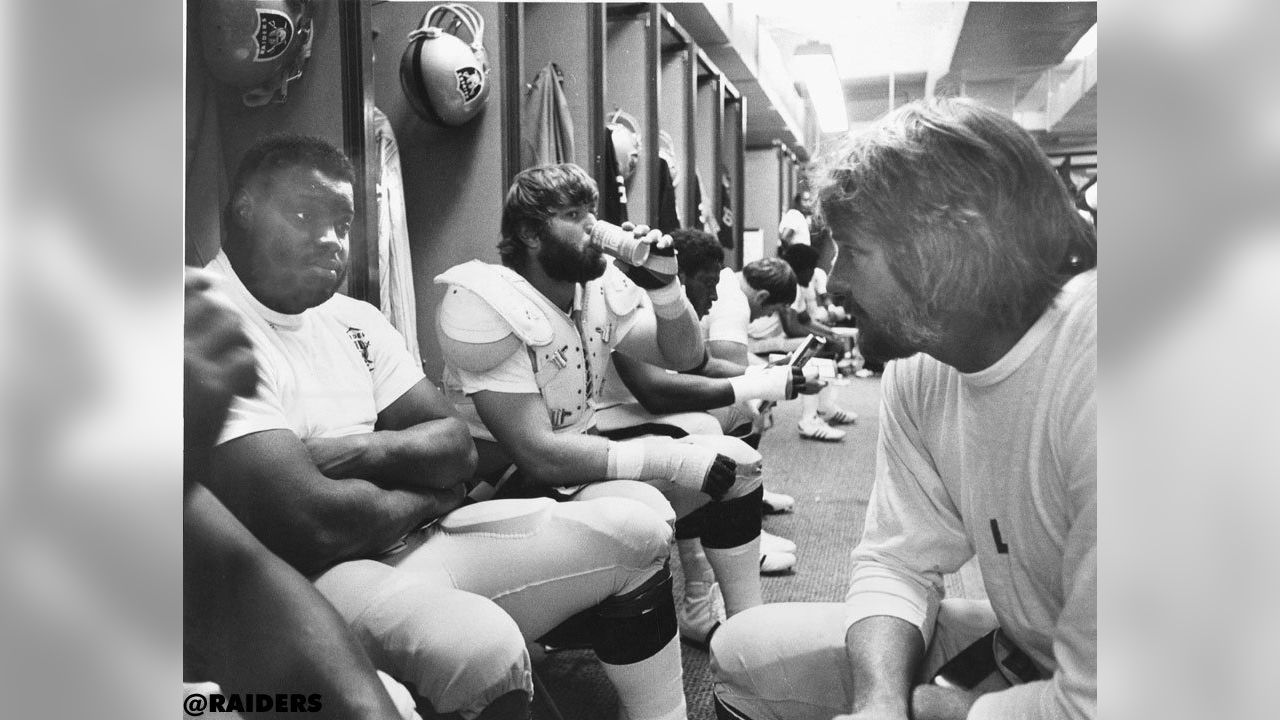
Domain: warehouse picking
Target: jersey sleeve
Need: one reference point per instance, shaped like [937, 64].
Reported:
[512, 375]
[913, 533]
[730, 314]
[394, 369]
[263, 411]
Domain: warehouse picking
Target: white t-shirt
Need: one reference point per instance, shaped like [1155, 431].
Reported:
[1002, 463]
[768, 326]
[729, 315]
[794, 220]
[325, 372]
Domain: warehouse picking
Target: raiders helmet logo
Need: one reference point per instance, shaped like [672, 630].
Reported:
[469, 83]
[275, 30]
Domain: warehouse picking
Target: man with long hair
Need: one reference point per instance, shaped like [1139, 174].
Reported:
[965, 262]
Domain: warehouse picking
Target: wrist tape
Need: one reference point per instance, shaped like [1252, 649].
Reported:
[768, 384]
[659, 458]
[669, 301]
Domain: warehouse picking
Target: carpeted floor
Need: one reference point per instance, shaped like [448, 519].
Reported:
[830, 482]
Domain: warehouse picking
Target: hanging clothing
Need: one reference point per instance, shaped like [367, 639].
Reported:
[668, 217]
[706, 215]
[669, 210]
[546, 128]
[613, 193]
[395, 270]
[726, 209]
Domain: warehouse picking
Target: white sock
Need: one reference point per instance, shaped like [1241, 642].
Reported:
[827, 399]
[809, 407]
[737, 570]
[695, 568]
[650, 689]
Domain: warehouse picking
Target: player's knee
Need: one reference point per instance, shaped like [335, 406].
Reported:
[458, 650]
[633, 626]
[642, 536]
[733, 521]
[734, 645]
[650, 496]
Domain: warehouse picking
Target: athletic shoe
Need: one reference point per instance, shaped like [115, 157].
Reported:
[818, 429]
[770, 543]
[698, 616]
[837, 415]
[777, 503]
[864, 373]
[775, 563]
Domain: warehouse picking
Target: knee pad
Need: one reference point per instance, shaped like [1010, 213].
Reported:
[457, 649]
[735, 522]
[634, 626]
[641, 534]
[643, 493]
[749, 472]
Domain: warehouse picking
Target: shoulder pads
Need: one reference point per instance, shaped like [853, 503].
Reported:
[622, 295]
[495, 296]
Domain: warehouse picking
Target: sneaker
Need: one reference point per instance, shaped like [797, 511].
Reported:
[775, 563]
[698, 616]
[837, 415]
[770, 543]
[777, 503]
[818, 429]
[864, 373]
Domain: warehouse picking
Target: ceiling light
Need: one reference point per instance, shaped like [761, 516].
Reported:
[1085, 46]
[817, 69]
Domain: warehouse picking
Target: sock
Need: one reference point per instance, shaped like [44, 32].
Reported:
[650, 689]
[697, 572]
[737, 569]
[809, 406]
[827, 398]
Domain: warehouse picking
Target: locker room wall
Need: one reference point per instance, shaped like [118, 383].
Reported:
[706, 123]
[452, 176]
[672, 106]
[762, 188]
[559, 33]
[626, 81]
[220, 128]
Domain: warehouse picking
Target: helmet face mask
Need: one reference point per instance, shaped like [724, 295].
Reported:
[445, 79]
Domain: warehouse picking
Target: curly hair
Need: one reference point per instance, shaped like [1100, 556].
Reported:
[697, 251]
[968, 209]
[534, 197]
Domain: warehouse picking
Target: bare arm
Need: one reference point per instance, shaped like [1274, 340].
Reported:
[417, 444]
[671, 335]
[520, 424]
[728, 359]
[261, 626]
[662, 392]
[269, 481]
[884, 652]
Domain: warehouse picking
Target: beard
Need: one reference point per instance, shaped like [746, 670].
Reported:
[894, 338]
[569, 263]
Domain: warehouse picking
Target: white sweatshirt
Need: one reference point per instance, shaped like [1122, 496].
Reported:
[1001, 463]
